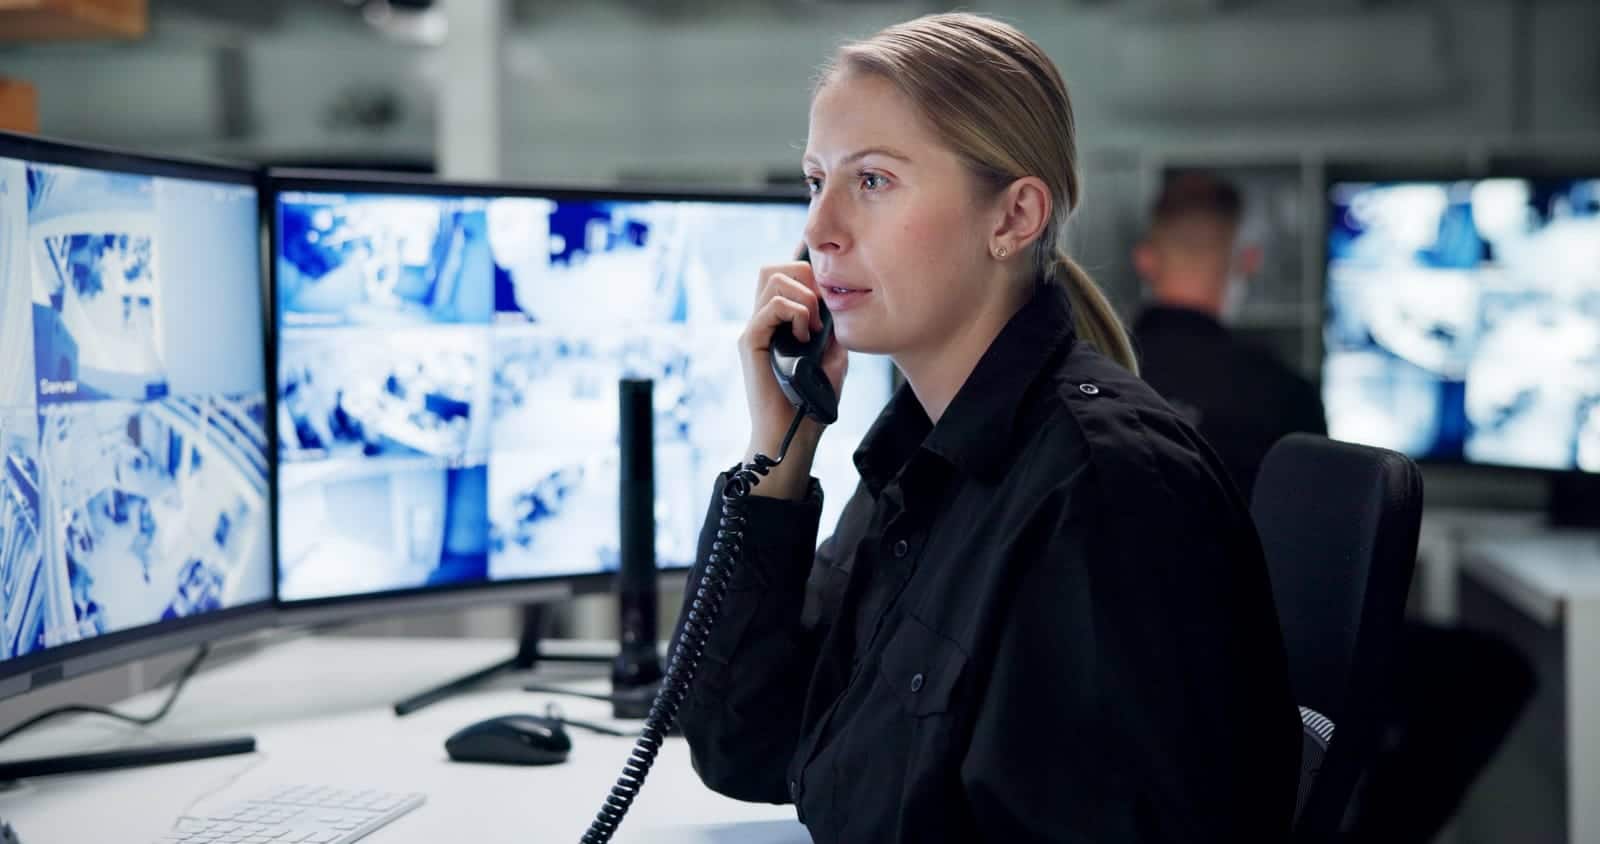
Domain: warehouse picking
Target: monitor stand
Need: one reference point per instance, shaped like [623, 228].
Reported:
[132, 757]
[528, 656]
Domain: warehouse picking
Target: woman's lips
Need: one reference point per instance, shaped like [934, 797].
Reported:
[842, 297]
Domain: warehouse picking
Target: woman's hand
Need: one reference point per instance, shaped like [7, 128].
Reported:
[786, 295]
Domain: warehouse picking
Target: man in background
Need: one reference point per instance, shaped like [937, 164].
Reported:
[1242, 399]
[1458, 692]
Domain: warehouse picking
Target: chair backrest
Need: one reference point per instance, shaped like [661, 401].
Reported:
[1338, 524]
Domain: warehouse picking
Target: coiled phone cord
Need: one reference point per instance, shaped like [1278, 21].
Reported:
[727, 552]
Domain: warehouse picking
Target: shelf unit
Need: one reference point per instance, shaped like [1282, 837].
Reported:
[19, 106]
[48, 20]
[59, 20]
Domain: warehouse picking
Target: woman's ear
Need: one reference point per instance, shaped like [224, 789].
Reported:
[1025, 210]
[1147, 261]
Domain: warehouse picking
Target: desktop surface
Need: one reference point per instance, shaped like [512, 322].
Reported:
[319, 709]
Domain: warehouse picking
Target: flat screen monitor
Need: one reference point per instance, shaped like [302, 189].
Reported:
[448, 366]
[134, 502]
[1463, 320]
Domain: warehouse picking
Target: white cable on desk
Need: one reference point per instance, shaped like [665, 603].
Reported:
[226, 784]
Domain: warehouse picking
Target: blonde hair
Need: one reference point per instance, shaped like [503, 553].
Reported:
[998, 101]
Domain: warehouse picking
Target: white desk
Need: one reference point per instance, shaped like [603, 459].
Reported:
[320, 711]
[1445, 534]
[1554, 578]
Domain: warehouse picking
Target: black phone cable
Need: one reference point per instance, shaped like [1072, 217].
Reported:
[137, 720]
[726, 554]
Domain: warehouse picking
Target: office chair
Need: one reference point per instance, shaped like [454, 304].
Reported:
[1338, 524]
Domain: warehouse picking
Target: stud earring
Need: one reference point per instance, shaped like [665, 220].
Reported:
[1000, 252]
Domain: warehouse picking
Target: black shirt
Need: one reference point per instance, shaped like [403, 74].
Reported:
[1241, 398]
[1046, 618]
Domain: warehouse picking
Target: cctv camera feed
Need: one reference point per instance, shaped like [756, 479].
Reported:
[1463, 320]
[132, 403]
[448, 371]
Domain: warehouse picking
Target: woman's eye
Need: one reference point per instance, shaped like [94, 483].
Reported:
[873, 181]
[813, 185]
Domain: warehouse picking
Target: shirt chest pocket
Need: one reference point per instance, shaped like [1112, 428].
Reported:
[894, 766]
[921, 668]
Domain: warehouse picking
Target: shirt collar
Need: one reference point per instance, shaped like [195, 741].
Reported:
[1158, 318]
[975, 431]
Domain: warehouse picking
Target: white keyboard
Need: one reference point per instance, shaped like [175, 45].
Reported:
[301, 814]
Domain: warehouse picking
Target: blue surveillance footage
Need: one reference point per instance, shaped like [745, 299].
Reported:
[391, 261]
[372, 393]
[460, 424]
[133, 403]
[1463, 320]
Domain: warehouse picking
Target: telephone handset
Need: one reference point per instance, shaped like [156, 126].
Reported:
[798, 366]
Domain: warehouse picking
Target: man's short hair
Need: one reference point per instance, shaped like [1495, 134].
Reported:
[1197, 193]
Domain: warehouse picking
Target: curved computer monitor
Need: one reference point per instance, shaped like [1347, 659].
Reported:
[1463, 319]
[448, 360]
[134, 501]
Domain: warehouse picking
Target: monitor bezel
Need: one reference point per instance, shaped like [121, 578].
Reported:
[1432, 172]
[62, 662]
[456, 596]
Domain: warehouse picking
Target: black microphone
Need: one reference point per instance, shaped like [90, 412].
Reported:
[638, 664]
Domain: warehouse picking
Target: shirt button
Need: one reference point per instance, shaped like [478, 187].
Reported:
[901, 548]
[1089, 389]
[916, 682]
[794, 790]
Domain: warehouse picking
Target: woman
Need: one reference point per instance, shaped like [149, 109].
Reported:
[1044, 615]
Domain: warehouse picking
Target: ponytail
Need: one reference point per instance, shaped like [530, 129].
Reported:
[1096, 322]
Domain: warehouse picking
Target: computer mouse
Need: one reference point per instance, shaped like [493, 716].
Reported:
[511, 740]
